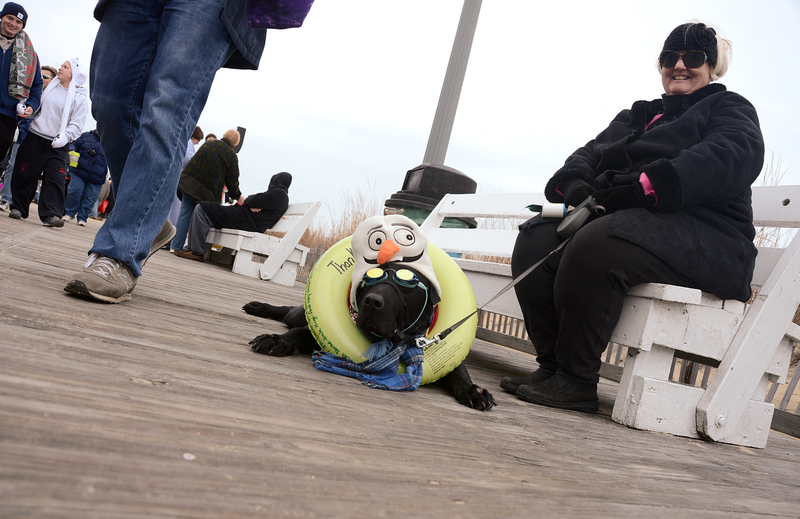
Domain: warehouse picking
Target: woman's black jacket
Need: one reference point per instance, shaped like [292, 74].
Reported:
[701, 156]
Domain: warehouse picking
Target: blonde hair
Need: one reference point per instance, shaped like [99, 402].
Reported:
[724, 56]
[233, 138]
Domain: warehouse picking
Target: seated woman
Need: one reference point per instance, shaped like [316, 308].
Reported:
[674, 177]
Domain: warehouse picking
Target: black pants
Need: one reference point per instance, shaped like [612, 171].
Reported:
[573, 301]
[37, 157]
[8, 126]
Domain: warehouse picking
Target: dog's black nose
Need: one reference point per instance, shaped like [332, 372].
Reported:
[374, 300]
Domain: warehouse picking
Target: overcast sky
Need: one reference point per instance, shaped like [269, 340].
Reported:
[346, 102]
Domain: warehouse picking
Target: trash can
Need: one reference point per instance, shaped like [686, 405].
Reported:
[425, 186]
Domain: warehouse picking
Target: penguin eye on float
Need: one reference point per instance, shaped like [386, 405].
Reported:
[376, 239]
[404, 237]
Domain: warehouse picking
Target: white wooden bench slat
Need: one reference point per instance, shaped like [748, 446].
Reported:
[752, 344]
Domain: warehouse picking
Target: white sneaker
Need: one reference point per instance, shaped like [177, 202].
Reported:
[67, 218]
[81, 223]
[4, 206]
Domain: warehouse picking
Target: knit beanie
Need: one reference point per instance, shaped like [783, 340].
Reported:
[693, 36]
[17, 10]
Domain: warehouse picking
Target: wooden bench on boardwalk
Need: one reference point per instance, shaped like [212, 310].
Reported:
[750, 345]
[265, 256]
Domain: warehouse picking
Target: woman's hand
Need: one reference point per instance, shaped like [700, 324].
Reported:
[576, 191]
[624, 197]
[241, 199]
[60, 141]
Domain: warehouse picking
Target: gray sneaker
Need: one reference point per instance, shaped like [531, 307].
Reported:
[168, 231]
[53, 221]
[4, 206]
[105, 279]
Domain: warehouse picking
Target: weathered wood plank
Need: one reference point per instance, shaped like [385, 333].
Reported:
[157, 408]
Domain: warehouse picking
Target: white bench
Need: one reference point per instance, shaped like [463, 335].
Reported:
[261, 255]
[751, 344]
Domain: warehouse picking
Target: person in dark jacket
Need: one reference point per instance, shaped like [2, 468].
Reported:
[22, 96]
[214, 166]
[88, 177]
[258, 213]
[673, 176]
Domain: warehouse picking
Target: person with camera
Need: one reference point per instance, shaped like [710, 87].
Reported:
[673, 176]
[45, 151]
[87, 178]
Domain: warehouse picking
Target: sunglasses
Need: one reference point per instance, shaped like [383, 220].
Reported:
[46, 77]
[691, 58]
[403, 277]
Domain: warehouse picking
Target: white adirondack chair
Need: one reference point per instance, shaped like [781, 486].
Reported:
[262, 255]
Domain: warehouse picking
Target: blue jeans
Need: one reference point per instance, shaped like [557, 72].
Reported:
[5, 191]
[81, 197]
[184, 219]
[152, 67]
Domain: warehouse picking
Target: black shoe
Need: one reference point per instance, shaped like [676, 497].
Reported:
[511, 384]
[53, 221]
[563, 393]
[15, 214]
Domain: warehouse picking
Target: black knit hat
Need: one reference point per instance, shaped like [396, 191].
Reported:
[17, 10]
[693, 36]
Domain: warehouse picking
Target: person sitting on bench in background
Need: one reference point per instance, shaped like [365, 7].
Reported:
[258, 213]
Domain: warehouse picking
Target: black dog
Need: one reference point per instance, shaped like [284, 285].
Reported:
[386, 310]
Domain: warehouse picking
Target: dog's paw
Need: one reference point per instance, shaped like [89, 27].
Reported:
[476, 398]
[272, 344]
[258, 309]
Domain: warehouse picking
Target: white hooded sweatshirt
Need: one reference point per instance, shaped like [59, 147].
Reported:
[63, 111]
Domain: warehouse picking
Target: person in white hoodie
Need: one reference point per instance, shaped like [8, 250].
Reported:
[45, 150]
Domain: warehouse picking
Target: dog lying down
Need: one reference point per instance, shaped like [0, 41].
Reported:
[387, 306]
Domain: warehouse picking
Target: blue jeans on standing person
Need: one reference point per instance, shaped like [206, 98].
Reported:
[184, 219]
[81, 197]
[5, 191]
[157, 62]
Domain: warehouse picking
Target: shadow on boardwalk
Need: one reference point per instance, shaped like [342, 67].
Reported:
[157, 408]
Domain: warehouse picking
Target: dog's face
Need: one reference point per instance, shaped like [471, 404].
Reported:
[381, 240]
[388, 307]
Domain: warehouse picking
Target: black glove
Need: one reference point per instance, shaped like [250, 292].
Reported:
[576, 191]
[624, 197]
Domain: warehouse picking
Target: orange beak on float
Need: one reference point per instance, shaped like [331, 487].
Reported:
[388, 249]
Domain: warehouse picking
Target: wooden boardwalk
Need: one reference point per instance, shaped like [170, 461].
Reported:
[157, 408]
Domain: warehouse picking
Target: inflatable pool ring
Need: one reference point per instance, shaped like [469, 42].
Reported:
[328, 315]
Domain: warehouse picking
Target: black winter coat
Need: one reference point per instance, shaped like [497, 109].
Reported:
[273, 203]
[701, 156]
[91, 167]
